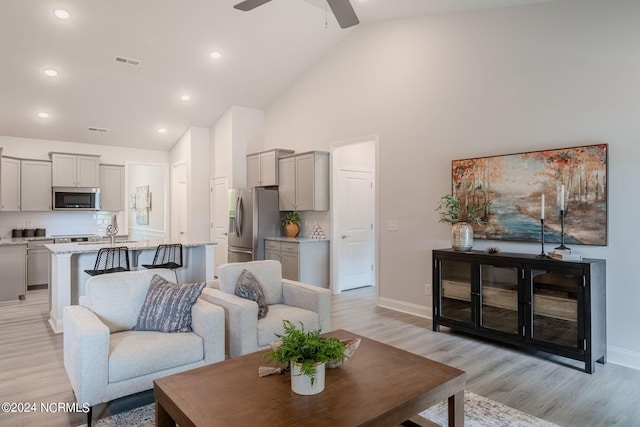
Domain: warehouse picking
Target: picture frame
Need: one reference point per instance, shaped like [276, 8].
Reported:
[515, 184]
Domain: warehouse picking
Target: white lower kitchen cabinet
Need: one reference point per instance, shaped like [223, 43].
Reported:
[13, 264]
[303, 259]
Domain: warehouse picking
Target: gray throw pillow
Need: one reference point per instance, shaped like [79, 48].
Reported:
[249, 287]
[167, 307]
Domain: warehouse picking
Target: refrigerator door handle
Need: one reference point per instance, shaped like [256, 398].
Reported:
[240, 215]
[240, 251]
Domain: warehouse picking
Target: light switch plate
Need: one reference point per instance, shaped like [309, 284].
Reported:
[392, 225]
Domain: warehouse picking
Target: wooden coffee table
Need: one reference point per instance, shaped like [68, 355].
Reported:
[379, 386]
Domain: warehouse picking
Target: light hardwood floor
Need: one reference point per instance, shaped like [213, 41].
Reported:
[549, 387]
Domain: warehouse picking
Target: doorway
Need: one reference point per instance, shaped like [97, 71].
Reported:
[354, 200]
[179, 202]
[219, 219]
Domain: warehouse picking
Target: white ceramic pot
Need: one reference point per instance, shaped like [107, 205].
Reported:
[461, 236]
[301, 384]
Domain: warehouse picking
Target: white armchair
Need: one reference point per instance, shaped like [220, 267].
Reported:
[287, 299]
[106, 359]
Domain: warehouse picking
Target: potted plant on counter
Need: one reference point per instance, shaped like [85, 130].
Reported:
[307, 353]
[466, 205]
[291, 224]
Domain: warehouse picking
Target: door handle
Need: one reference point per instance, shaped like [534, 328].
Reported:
[344, 236]
[225, 234]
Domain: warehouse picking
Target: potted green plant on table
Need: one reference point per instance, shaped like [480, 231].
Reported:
[307, 353]
[468, 204]
[291, 224]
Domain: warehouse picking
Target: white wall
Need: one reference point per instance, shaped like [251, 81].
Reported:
[238, 132]
[500, 81]
[193, 149]
[156, 176]
[70, 222]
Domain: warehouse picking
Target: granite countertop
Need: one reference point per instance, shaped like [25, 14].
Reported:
[86, 247]
[295, 239]
[6, 241]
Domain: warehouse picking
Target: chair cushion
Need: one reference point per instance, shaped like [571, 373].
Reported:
[248, 287]
[268, 272]
[117, 297]
[136, 353]
[167, 307]
[272, 323]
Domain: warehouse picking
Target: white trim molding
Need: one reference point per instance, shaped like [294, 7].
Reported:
[405, 307]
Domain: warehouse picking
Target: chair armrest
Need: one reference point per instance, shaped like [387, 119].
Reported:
[309, 297]
[215, 284]
[86, 353]
[207, 320]
[241, 321]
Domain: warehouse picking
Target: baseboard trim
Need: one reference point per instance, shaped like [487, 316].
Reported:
[622, 357]
[405, 307]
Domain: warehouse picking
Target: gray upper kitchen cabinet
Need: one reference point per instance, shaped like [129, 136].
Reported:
[35, 185]
[75, 170]
[304, 182]
[10, 184]
[111, 188]
[262, 167]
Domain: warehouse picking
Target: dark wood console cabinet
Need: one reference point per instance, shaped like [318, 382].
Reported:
[544, 304]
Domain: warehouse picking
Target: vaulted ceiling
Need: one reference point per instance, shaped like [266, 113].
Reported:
[97, 99]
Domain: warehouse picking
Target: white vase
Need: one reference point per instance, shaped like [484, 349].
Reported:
[301, 384]
[461, 236]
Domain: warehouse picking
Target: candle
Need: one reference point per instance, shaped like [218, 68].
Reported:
[562, 197]
[542, 208]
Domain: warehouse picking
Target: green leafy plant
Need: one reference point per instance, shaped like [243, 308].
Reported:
[307, 348]
[467, 204]
[291, 218]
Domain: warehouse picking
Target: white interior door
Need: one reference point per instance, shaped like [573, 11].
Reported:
[355, 210]
[179, 200]
[220, 220]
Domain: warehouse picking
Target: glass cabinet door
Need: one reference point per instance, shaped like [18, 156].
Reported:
[455, 291]
[499, 298]
[554, 307]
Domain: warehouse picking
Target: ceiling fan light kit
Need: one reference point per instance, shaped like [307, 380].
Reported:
[342, 10]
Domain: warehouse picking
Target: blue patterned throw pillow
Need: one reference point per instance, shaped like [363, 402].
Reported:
[248, 287]
[167, 307]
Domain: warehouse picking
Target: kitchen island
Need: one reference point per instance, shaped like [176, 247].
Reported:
[70, 260]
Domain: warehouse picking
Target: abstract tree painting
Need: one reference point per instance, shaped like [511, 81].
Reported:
[515, 184]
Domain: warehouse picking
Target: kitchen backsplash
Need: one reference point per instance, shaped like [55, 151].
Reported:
[57, 223]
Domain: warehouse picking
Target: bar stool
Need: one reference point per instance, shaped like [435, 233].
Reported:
[110, 260]
[167, 256]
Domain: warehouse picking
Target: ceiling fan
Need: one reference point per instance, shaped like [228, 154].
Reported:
[342, 9]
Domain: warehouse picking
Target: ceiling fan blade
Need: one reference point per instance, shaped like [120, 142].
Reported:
[247, 5]
[344, 13]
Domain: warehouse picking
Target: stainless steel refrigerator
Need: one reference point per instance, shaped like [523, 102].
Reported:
[253, 215]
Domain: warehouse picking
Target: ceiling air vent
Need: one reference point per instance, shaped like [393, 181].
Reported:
[97, 129]
[129, 61]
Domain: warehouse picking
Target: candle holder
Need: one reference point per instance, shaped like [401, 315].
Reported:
[542, 254]
[562, 246]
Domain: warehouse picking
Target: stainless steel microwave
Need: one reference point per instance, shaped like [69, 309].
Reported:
[76, 198]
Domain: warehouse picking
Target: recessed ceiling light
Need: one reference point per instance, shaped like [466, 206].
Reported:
[215, 55]
[162, 130]
[43, 115]
[50, 72]
[185, 97]
[62, 13]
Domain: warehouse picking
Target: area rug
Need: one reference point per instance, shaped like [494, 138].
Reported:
[478, 412]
